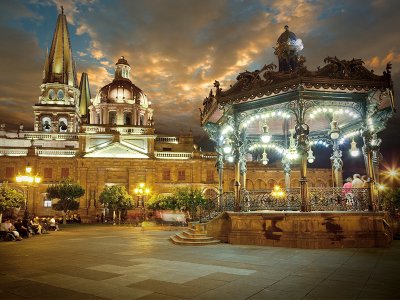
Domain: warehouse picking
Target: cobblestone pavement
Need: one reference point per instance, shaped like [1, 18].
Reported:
[112, 262]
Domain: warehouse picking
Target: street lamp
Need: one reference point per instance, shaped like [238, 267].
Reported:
[26, 180]
[141, 190]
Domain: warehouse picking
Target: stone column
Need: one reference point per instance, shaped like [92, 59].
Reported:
[337, 165]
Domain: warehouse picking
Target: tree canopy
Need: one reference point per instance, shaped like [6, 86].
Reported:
[116, 198]
[187, 199]
[67, 191]
[10, 197]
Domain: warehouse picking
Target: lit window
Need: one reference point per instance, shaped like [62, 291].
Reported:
[47, 203]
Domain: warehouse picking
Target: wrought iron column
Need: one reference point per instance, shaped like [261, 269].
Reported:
[337, 165]
[220, 169]
[286, 170]
[371, 145]
[237, 185]
[302, 130]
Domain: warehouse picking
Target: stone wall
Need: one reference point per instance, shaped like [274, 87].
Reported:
[303, 230]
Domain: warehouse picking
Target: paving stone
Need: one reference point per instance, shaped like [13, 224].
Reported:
[118, 262]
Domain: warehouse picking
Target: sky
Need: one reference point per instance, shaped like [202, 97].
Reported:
[178, 48]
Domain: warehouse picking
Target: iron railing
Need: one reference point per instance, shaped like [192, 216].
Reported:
[321, 199]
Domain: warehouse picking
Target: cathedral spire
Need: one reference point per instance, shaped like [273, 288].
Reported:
[84, 99]
[60, 65]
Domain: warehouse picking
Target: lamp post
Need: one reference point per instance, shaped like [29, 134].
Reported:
[26, 180]
[141, 191]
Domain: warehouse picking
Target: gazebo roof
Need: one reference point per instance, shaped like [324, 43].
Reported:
[337, 76]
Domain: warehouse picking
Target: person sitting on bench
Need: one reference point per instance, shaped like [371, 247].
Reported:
[9, 227]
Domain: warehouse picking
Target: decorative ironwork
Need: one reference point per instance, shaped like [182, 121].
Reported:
[321, 199]
[336, 74]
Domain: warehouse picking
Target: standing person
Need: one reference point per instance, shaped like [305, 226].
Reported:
[357, 182]
[365, 181]
[347, 186]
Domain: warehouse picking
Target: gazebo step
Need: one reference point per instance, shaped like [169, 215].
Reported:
[177, 241]
[191, 234]
[182, 237]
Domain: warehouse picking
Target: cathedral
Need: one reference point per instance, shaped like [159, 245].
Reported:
[110, 139]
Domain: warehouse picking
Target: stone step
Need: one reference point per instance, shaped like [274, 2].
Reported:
[204, 238]
[176, 241]
[192, 234]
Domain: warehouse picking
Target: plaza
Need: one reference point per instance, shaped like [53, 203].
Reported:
[123, 262]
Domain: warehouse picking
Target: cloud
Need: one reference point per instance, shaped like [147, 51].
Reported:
[377, 62]
[178, 48]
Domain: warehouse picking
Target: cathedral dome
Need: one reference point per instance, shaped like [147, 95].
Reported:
[121, 89]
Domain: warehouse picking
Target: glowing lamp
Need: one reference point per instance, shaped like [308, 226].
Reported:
[334, 133]
[28, 169]
[230, 158]
[227, 148]
[265, 136]
[311, 156]
[354, 151]
[264, 158]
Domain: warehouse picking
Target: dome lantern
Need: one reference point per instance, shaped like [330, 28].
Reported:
[122, 69]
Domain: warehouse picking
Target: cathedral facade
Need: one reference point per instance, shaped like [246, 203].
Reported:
[110, 139]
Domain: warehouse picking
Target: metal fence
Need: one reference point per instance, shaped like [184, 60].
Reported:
[321, 199]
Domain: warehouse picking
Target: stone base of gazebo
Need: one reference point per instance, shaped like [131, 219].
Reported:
[302, 230]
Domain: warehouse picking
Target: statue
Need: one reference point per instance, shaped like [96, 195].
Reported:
[287, 51]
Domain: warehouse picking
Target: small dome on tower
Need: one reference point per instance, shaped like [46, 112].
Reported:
[122, 61]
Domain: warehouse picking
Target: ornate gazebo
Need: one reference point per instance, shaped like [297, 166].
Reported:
[293, 111]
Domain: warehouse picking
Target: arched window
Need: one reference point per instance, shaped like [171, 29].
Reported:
[260, 184]
[112, 117]
[127, 118]
[46, 124]
[249, 185]
[62, 124]
[210, 193]
[271, 183]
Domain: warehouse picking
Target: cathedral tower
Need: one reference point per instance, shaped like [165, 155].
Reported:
[58, 107]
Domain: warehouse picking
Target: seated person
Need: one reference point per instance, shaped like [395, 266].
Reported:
[53, 224]
[22, 230]
[37, 228]
[9, 227]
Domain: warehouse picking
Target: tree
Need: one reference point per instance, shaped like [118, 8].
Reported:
[161, 202]
[391, 200]
[116, 198]
[190, 199]
[9, 198]
[67, 191]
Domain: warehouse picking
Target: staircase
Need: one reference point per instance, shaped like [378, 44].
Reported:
[194, 235]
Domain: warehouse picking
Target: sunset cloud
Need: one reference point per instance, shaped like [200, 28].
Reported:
[176, 49]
